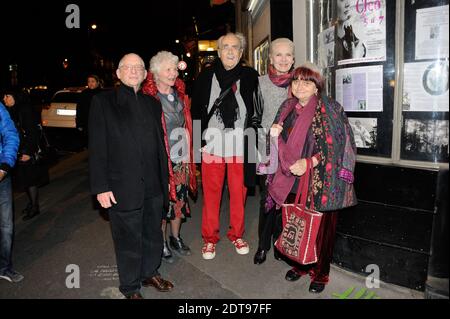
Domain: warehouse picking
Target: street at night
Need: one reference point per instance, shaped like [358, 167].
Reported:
[313, 134]
[70, 231]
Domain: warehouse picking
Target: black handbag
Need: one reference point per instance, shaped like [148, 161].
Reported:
[46, 154]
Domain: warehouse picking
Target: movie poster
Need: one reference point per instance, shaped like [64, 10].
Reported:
[360, 31]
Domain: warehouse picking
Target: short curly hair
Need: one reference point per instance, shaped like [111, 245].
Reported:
[159, 58]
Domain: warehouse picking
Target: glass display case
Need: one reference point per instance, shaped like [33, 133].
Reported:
[386, 62]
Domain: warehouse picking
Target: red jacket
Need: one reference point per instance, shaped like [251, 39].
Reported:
[149, 87]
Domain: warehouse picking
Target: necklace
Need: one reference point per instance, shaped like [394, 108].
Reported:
[170, 97]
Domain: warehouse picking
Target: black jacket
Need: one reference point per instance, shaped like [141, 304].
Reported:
[84, 105]
[27, 126]
[116, 162]
[249, 91]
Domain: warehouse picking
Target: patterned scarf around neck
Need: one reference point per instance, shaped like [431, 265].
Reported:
[283, 80]
[289, 152]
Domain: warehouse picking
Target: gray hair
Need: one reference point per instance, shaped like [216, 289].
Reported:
[159, 58]
[238, 35]
[130, 54]
[282, 41]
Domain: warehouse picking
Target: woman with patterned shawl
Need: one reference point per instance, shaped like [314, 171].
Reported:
[312, 126]
[163, 84]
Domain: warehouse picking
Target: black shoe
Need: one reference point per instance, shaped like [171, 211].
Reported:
[276, 254]
[260, 256]
[167, 254]
[30, 215]
[316, 287]
[292, 275]
[178, 245]
[27, 210]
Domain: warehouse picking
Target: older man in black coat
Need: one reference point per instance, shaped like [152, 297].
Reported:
[224, 101]
[129, 175]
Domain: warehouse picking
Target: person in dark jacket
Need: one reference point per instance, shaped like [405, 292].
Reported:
[93, 88]
[223, 100]
[28, 174]
[129, 174]
[9, 144]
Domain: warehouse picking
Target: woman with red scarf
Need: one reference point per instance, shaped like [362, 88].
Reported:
[274, 91]
[311, 126]
[163, 84]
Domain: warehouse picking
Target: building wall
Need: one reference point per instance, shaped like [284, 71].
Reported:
[300, 31]
[261, 26]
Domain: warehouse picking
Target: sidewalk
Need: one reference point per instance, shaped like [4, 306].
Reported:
[70, 231]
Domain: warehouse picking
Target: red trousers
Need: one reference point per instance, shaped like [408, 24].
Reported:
[213, 175]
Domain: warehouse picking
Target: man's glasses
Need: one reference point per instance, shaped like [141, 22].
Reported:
[128, 68]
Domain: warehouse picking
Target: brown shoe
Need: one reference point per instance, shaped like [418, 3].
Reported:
[136, 295]
[158, 283]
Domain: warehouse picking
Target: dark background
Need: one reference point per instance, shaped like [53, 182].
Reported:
[36, 39]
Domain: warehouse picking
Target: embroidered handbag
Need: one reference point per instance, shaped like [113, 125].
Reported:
[300, 225]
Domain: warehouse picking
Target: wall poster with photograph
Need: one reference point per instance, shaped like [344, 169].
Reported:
[326, 48]
[360, 31]
[426, 87]
[432, 33]
[360, 89]
[425, 140]
[364, 131]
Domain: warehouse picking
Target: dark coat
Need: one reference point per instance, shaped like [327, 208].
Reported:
[30, 173]
[116, 162]
[28, 127]
[84, 106]
[332, 181]
[248, 90]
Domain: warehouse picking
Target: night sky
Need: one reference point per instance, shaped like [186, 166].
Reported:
[37, 39]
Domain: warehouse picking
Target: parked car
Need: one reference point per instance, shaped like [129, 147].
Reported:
[62, 111]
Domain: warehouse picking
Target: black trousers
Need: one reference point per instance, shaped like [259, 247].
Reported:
[138, 243]
[270, 223]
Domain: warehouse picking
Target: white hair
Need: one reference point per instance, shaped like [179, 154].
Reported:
[282, 41]
[130, 54]
[161, 57]
[238, 35]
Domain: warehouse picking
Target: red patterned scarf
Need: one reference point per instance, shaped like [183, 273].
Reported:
[290, 151]
[283, 80]
[149, 87]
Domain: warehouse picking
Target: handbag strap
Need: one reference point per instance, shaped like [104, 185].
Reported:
[303, 186]
[217, 103]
